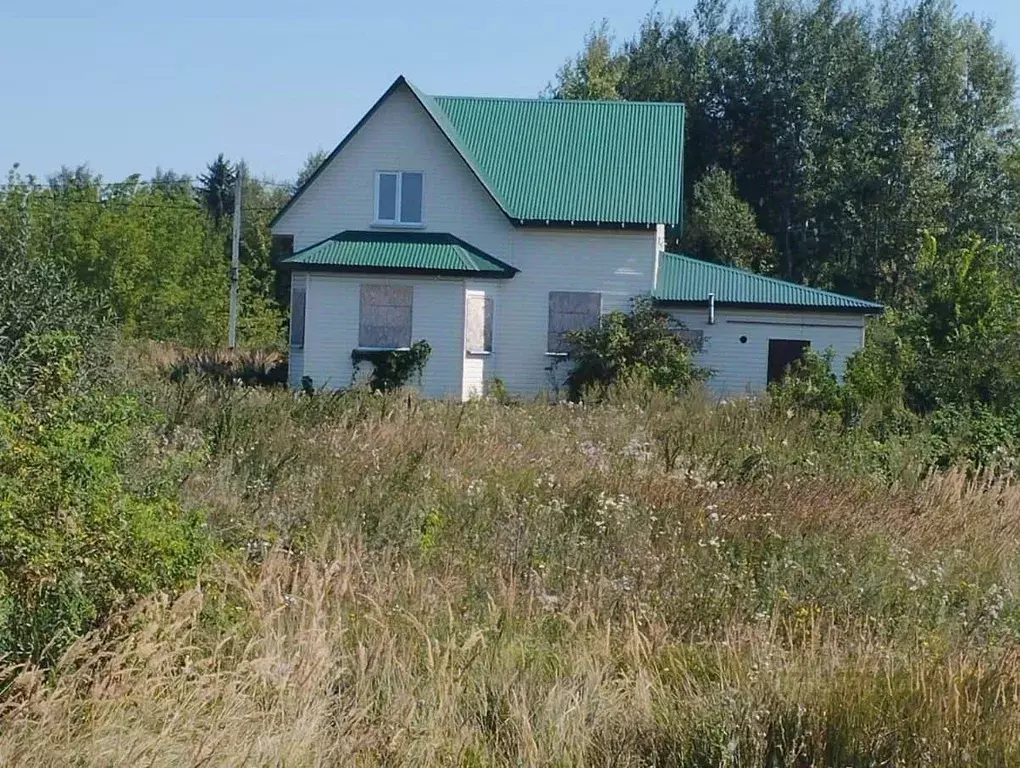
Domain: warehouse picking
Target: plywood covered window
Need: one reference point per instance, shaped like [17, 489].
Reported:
[478, 323]
[297, 317]
[385, 317]
[570, 311]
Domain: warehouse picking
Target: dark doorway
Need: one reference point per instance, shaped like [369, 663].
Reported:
[783, 352]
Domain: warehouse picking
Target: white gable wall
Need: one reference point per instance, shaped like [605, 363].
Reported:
[739, 368]
[400, 135]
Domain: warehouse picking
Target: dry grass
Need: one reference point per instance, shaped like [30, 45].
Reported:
[639, 583]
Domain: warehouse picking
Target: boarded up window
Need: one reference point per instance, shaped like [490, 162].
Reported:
[297, 317]
[693, 340]
[571, 311]
[385, 321]
[478, 324]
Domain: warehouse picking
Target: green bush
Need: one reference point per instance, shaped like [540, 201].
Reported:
[810, 385]
[74, 543]
[393, 368]
[643, 344]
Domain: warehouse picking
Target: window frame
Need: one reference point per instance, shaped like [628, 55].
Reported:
[361, 306]
[397, 212]
[549, 303]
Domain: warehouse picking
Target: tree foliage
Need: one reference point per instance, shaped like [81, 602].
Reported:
[722, 227]
[849, 130]
[149, 250]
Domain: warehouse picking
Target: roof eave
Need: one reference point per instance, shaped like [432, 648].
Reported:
[842, 310]
[410, 271]
[577, 224]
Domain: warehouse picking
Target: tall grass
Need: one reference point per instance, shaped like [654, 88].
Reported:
[642, 582]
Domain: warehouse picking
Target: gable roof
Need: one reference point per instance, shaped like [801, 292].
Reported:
[582, 161]
[556, 161]
[685, 280]
[398, 252]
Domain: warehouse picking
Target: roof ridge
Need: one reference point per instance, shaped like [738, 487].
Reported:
[544, 100]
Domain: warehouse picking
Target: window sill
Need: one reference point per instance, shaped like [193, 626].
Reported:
[478, 352]
[396, 225]
[557, 354]
[382, 349]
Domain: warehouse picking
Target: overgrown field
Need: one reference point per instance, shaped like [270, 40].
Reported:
[647, 581]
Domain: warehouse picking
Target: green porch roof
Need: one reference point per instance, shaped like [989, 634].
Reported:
[556, 161]
[685, 280]
[398, 252]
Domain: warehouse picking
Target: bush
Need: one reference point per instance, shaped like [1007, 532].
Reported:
[251, 368]
[643, 344]
[810, 385]
[74, 544]
[393, 368]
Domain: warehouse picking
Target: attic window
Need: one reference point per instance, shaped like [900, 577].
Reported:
[399, 198]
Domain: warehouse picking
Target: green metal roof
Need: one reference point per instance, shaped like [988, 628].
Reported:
[557, 161]
[685, 280]
[400, 252]
[581, 161]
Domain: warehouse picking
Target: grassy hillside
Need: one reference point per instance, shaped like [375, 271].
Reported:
[640, 582]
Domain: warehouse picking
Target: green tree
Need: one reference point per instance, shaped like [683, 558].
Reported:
[722, 228]
[594, 73]
[216, 188]
[312, 163]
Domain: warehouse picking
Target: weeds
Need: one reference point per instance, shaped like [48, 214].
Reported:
[649, 581]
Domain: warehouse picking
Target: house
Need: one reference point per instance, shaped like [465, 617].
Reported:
[489, 227]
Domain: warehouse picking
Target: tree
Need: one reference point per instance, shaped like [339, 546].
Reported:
[722, 228]
[849, 131]
[312, 163]
[216, 188]
[595, 72]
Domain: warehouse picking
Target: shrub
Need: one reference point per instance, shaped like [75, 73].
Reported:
[810, 385]
[74, 544]
[642, 344]
[393, 368]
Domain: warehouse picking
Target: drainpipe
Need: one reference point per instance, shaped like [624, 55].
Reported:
[711, 309]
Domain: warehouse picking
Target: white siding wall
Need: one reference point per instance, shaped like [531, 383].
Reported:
[619, 264]
[401, 136]
[743, 367]
[398, 136]
[331, 329]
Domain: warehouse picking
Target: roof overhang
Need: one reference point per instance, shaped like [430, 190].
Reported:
[771, 307]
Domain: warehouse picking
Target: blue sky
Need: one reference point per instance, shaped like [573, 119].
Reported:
[128, 90]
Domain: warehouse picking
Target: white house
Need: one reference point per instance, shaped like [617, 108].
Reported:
[489, 227]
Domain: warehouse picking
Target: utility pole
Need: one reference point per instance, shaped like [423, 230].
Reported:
[235, 258]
